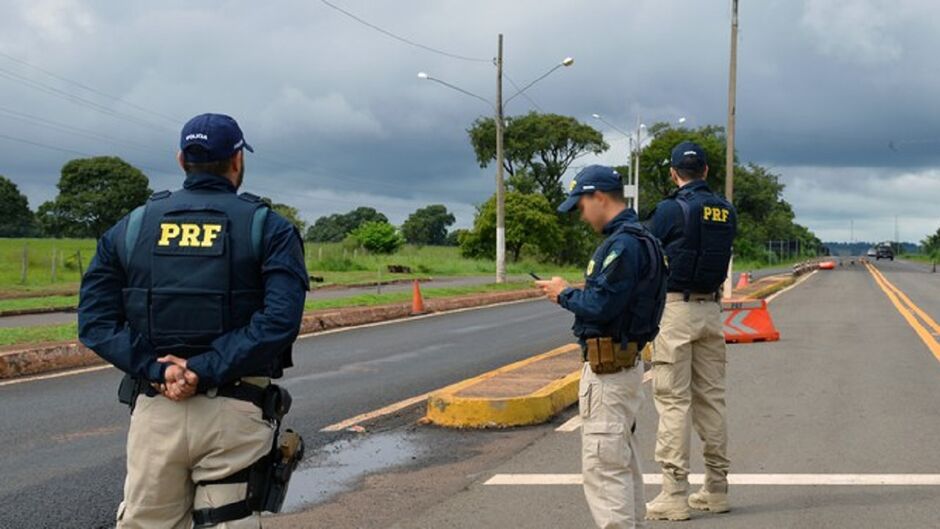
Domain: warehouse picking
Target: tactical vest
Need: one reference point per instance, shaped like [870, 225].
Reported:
[193, 265]
[699, 262]
[640, 321]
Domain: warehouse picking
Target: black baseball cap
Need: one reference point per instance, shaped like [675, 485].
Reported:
[690, 156]
[211, 138]
[590, 179]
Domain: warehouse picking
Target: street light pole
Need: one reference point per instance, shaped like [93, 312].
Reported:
[729, 153]
[500, 156]
[500, 185]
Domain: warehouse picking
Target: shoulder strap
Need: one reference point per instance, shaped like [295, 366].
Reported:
[649, 242]
[131, 232]
[257, 230]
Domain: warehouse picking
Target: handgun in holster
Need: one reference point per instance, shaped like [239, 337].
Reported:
[268, 477]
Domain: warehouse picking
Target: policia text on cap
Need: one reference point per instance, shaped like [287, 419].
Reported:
[197, 296]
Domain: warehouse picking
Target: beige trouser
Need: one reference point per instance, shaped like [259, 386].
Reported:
[171, 446]
[689, 386]
[613, 481]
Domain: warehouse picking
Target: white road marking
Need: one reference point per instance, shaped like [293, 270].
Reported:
[901, 480]
[381, 412]
[54, 375]
[791, 287]
[572, 424]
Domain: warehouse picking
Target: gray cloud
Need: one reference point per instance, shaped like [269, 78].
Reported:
[338, 117]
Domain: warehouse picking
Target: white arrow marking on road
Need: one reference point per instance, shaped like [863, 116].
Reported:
[741, 479]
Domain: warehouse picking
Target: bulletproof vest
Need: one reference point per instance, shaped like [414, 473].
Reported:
[640, 320]
[193, 265]
[699, 261]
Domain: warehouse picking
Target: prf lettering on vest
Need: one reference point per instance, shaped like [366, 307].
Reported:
[715, 214]
[189, 235]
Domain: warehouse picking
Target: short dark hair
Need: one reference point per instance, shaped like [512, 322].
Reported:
[615, 195]
[689, 174]
[217, 168]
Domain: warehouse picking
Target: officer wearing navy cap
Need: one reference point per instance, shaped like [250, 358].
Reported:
[697, 228]
[197, 297]
[616, 314]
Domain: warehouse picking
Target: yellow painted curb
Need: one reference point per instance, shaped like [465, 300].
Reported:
[445, 408]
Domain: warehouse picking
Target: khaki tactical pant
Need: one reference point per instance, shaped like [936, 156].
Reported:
[689, 386]
[613, 480]
[171, 446]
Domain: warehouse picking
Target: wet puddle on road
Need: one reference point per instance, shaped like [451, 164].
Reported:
[338, 466]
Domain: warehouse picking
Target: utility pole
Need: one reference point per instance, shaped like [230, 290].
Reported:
[636, 168]
[897, 237]
[729, 153]
[500, 192]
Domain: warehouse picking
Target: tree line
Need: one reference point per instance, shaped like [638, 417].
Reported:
[541, 148]
[95, 193]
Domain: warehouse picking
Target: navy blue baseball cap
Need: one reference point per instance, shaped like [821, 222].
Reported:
[590, 179]
[688, 155]
[211, 138]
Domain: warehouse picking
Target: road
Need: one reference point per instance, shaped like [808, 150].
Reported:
[63, 438]
[850, 391]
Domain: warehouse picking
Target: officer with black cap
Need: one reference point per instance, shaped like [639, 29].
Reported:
[616, 314]
[197, 296]
[697, 228]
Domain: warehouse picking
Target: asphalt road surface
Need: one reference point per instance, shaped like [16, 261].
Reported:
[849, 392]
[63, 438]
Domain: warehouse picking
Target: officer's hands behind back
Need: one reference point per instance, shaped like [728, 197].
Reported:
[179, 382]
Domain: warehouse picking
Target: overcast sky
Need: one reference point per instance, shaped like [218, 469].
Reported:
[339, 119]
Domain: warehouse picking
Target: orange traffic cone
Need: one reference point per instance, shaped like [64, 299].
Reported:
[417, 301]
[744, 280]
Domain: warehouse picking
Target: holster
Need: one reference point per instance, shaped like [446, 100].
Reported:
[129, 390]
[268, 477]
[607, 356]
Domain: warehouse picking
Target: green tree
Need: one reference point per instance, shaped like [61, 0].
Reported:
[655, 183]
[16, 219]
[531, 224]
[428, 226]
[378, 237]
[94, 193]
[288, 212]
[763, 214]
[539, 148]
[335, 228]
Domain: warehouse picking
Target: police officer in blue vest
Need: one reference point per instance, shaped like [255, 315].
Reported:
[197, 296]
[697, 228]
[616, 314]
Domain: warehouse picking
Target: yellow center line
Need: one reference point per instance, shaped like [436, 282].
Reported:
[893, 295]
[923, 315]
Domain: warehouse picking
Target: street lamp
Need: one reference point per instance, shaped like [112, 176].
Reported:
[500, 125]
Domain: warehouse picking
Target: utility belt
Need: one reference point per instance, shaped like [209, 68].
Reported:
[693, 296]
[607, 356]
[269, 476]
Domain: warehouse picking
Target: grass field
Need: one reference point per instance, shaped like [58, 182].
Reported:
[336, 264]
